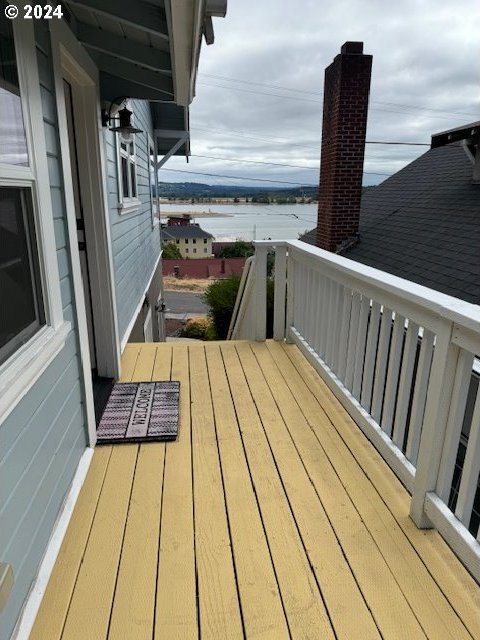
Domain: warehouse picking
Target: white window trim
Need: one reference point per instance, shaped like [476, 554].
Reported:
[20, 372]
[127, 205]
[152, 146]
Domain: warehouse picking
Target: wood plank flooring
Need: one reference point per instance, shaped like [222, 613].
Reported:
[270, 517]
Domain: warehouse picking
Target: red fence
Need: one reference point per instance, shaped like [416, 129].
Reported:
[203, 267]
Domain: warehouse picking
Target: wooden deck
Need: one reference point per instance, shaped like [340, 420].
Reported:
[271, 517]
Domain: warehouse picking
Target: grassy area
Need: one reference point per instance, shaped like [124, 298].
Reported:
[185, 284]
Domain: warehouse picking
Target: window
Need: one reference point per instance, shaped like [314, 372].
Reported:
[177, 241]
[32, 327]
[21, 310]
[127, 175]
[186, 240]
[186, 250]
[194, 251]
[13, 149]
[194, 241]
[205, 250]
[21, 299]
[204, 241]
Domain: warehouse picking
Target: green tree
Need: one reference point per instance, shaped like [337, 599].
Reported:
[171, 252]
[238, 249]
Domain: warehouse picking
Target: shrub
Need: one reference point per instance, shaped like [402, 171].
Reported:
[221, 296]
[198, 328]
[171, 252]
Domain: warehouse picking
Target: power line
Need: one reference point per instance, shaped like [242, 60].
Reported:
[405, 144]
[242, 134]
[320, 94]
[276, 95]
[276, 164]
[218, 175]
[273, 164]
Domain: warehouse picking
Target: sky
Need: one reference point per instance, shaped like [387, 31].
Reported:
[259, 86]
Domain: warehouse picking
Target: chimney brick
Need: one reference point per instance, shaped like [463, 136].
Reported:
[345, 107]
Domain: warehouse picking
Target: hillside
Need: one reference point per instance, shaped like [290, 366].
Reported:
[188, 190]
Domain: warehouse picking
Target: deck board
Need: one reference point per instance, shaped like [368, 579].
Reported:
[460, 589]
[302, 599]
[262, 607]
[219, 607]
[271, 516]
[176, 604]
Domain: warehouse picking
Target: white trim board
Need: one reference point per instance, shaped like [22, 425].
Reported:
[72, 62]
[131, 324]
[24, 367]
[32, 604]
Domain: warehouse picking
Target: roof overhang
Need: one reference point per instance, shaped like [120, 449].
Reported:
[145, 49]
[468, 132]
[171, 130]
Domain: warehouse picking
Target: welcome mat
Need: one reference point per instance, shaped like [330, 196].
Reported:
[140, 412]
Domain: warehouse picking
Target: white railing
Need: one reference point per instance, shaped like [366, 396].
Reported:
[399, 357]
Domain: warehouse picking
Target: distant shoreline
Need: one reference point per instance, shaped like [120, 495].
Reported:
[232, 201]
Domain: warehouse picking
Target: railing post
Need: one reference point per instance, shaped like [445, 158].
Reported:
[260, 293]
[290, 296]
[435, 421]
[280, 283]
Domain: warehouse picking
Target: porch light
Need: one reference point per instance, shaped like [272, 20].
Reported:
[124, 116]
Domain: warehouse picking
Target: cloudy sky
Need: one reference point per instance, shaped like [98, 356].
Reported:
[259, 87]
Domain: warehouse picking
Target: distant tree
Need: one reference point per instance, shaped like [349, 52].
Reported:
[238, 249]
[236, 199]
[171, 252]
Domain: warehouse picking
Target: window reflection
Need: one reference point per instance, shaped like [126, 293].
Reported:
[13, 149]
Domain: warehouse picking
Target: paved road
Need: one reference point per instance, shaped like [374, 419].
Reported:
[179, 302]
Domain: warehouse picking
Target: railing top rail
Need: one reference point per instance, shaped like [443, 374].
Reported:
[443, 305]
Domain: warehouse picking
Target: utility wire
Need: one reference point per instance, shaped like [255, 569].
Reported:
[218, 175]
[405, 144]
[276, 95]
[241, 134]
[320, 94]
[276, 164]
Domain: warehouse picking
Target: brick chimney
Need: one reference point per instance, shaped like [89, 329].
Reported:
[345, 106]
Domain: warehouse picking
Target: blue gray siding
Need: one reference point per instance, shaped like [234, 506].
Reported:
[44, 437]
[135, 245]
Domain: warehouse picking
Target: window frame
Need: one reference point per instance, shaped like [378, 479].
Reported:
[127, 204]
[23, 368]
[152, 152]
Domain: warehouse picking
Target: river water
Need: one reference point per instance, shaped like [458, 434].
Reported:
[253, 221]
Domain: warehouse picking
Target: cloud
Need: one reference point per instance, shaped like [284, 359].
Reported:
[259, 89]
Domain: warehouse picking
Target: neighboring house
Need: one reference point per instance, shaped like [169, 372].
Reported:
[80, 270]
[191, 240]
[423, 223]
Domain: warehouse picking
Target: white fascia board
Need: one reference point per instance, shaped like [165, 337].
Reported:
[185, 23]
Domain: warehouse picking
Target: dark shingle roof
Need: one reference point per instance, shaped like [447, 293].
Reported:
[423, 224]
[184, 231]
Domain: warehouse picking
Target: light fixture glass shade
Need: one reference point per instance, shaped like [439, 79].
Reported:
[125, 126]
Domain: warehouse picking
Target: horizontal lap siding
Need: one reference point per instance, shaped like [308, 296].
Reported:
[44, 437]
[135, 245]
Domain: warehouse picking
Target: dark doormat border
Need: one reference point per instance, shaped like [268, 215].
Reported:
[141, 412]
